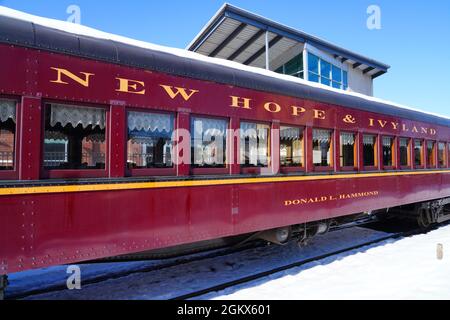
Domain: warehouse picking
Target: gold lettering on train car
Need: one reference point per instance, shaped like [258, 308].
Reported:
[382, 123]
[239, 102]
[395, 125]
[424, 130]
[405, 128]
[339, 197]
[179, 91]
[433, 132]
[349, 119]
[268, 106]
[414, 129]
[371, 122]
[130, 86]
[319, 114]
[297, 110]
[60, 72]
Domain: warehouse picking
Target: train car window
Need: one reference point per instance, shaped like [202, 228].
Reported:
[75, 137]
[448, 154]
[418, 153]
[388, 152]
[405, 152]
[431, 154]
[322, 148]
[348, 150]
[7, 134]
[255, 142]
[208, 142]
[370, 150]
[149, 142]
[291, 147]
[442, 155]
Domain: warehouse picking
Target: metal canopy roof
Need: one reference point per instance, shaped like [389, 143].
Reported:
[238, 35]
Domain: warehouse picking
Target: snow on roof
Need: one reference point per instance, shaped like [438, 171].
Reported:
[94, 33]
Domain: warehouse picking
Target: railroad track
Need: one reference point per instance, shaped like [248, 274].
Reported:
[263, 274]
[218, 253]
[172, 263]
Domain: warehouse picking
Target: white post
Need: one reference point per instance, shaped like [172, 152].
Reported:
[267, 51]
[305, 63]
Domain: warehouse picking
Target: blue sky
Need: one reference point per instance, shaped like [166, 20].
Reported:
[414, 38]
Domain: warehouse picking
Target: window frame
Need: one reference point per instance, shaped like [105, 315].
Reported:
[434, 155]
[291, 169]
[445, 154]
[330, 168]
[144, 172]
[255, 170]
[211, 171]
[393, 150]
[73, 173]
[376, 148]
[409, 153]
[422, 166]
[14, 174]
[355, 151]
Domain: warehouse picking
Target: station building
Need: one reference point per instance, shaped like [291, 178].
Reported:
[238, 35]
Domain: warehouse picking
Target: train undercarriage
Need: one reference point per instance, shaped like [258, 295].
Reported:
[425, 214]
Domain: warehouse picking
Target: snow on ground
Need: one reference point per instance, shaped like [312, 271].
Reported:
[403, 269]
[178, 280]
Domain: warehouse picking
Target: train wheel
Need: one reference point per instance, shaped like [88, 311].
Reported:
[423, 219]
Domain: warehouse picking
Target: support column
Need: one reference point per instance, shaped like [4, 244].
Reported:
[118, 141]
[234, 146]
[267, 51]
[30, 135]
[182, 148]
[275, 148]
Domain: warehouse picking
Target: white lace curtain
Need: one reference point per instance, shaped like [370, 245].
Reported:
[369, 140]
[75, 115]
[387, 142]
[150, 122]
[209, 127]
[253, 130]
[404, 143]
[323, 136]
[290, 133]
[347, 139]
[7, 110]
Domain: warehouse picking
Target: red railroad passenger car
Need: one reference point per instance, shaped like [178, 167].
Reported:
[96, 159]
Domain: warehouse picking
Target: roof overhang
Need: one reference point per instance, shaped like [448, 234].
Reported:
[238, 35]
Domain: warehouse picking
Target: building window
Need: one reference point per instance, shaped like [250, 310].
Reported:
[348, 150]
[291, 147]
[405, 153]
[326, 73]
[149, 143]
[370, 150]
[254, 144]
[431, 154]
[441, 155]
[293, 68]
[418, 153]
[388, 152]
[322, 148]
[7, 134]
[208, 142]
[74, 137]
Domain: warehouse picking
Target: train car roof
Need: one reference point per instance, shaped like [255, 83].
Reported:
[18, 28]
